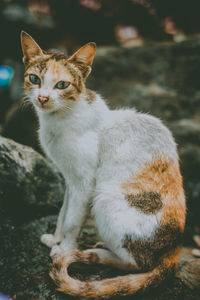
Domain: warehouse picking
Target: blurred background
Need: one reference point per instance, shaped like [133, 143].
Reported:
[148, 57]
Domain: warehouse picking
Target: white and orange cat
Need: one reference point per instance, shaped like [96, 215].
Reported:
[122, 162]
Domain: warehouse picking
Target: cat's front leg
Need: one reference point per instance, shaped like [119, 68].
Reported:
[52, 239]
[49, 240]
[77, 210]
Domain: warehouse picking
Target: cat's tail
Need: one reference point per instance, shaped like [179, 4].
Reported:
[120, 285]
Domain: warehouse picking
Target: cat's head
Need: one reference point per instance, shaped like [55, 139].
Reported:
[52, 81]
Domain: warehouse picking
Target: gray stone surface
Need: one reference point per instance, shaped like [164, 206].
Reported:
[25, 262]
[30, 186]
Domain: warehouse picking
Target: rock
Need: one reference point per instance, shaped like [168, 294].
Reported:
[30, 186]
[25, 262]
[25, 265]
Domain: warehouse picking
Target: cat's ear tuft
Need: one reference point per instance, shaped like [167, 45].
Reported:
[84, 56]
[29, 47]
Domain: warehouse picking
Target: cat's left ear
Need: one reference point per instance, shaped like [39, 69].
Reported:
[83, 58]
[29, 47]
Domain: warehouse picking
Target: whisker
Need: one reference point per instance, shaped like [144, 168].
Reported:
[65, 108]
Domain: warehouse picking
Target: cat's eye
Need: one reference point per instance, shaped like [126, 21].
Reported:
[61, 85]
[34, 79]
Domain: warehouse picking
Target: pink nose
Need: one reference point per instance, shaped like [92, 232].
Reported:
[43, 99]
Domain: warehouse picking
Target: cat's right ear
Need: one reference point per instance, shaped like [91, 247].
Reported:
[83, 58]
[29, 47]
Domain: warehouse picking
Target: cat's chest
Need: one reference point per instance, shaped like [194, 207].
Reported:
[58, 144]
[70, 149]
[51, 140]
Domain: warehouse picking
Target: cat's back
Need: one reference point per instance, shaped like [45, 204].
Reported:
[129, 139]
[137, 130]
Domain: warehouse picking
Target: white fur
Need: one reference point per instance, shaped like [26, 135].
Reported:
[97, 150]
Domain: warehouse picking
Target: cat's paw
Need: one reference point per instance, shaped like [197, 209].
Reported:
[56, 251]
[63, 248]
[49, 240]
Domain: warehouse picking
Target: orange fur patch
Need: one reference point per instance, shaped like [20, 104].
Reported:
[161, 176]
[91, 96]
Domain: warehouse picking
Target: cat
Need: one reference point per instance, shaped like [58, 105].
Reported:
[122, 162]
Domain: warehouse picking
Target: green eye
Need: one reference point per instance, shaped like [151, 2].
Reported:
[61, 85]
[34, 79]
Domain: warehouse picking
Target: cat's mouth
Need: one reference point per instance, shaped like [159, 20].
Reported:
[45, 106]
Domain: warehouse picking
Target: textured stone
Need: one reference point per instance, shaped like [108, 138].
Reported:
[30, 186]
[25, 262]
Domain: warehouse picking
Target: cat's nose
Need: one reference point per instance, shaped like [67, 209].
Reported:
[43, 99]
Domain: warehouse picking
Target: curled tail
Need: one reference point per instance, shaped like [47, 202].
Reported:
[120, 286]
